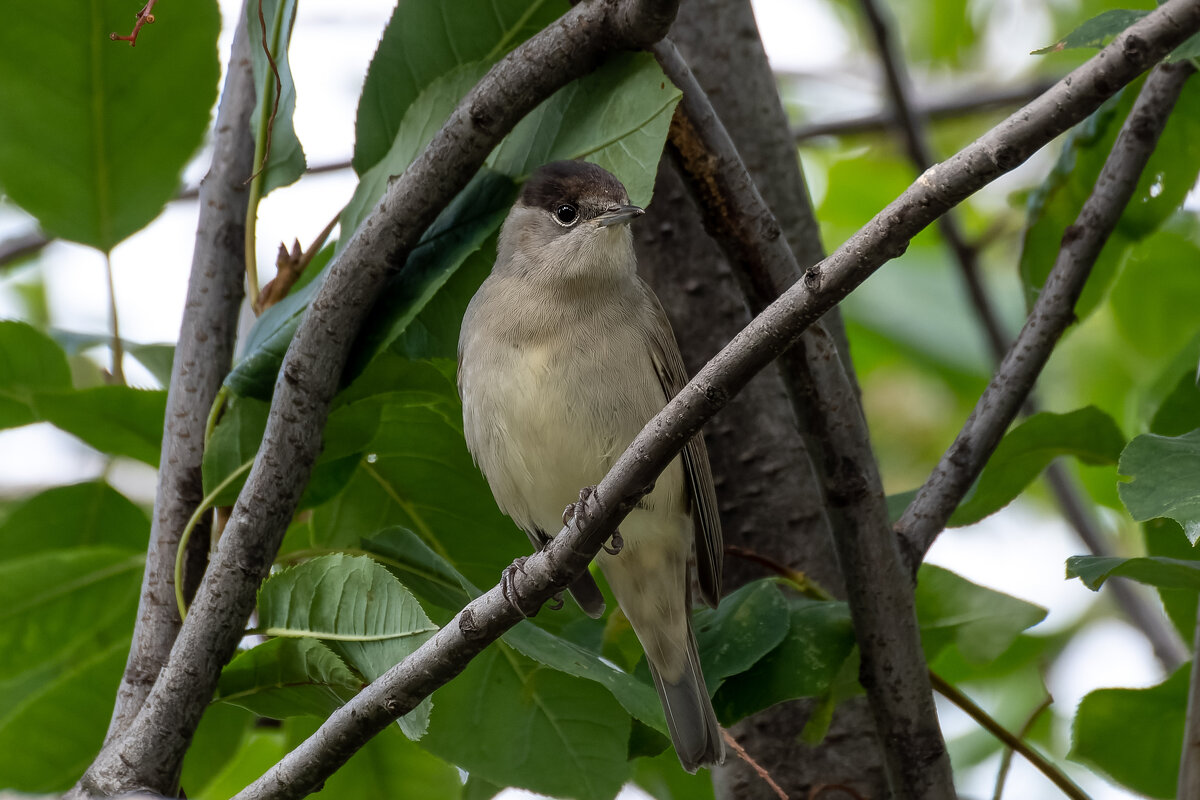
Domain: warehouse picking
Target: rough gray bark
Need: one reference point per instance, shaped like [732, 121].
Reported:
[148, 753]
[721, 39]
[202, 359]
[1001, 401]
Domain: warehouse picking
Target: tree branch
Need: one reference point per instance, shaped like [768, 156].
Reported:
[916, 138]
[880, 595]
[148, 754]
[202, 358]
[926, 516]
[977, 101]
[1189, 765]
[487, 617]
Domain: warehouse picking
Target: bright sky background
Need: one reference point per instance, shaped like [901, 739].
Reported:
[331, 47]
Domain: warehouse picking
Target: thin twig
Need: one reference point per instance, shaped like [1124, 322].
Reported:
[148, 753]
[879, 594]
[1007, 757]
[936, 500]
[916, 138]
[1189, 764]
[802, 582]
[985, 720]
[754, 765]
[202, 359]
[977, 101]
[118, 348]
[143, 17]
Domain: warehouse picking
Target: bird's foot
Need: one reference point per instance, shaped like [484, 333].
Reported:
[615, 544]
[577, 507]
[509, 589]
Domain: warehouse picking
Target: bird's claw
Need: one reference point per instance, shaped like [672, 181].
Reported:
[572, 508]
[509, 590]
[615, 544]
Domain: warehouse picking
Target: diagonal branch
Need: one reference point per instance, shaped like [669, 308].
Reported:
[487, 617]
[980, 100]
[202, 358]
[916, 138]
[880, 595]
[936, 500]
[150, 751]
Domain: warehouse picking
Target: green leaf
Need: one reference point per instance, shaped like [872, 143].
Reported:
[422, 120]
[387, 767]
[479, 30]
[1134, 736]
[95, 134]
[471, 220]
[65, 517]
[157, 358]
[1150, 298]
[1166, 180]
[662, 779]
[285, 162]
[38, 753]
[748, 624]
[1097, 31]
[819, 638]
[1164, 537]
[44, 598]
[1088, 434]
[1160, 571]
[418, 475]
[30, 362]
[219, 737]
[288, 677]
[259, 748]
[616, 117]
[426, 573]
[1179, 411]
[980, 622]
[1163, 469]
[116, 420]
[358, 608]
[516, 724]
[236, 439]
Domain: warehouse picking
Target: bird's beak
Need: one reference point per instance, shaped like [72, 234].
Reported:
[618, 215]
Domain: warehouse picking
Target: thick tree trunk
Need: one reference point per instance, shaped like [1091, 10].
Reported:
[770, 500]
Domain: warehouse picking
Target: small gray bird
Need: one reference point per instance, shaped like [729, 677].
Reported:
[565, 354]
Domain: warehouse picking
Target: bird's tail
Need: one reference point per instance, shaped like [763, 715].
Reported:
[690, 716]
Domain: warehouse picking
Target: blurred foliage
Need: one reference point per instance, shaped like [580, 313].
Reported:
[396, 512]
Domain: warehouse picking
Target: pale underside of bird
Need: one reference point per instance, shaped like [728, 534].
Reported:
[565, 354]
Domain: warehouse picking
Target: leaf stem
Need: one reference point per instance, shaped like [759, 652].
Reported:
[118, 347]
[194, 520]
[1006, 759]
[1056, 775]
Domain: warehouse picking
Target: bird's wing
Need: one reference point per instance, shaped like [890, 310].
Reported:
[668, 363]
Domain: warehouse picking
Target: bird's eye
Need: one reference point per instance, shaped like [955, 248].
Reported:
[566, 214]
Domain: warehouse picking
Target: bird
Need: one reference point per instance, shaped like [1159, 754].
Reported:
[565, 353]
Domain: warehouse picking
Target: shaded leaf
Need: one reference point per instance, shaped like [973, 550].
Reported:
[38, 753]
[1164, 470]
[1097, 31]
[30, 362]
[516, 724]
[1088, 434]
[81, 515]
[1160, 571]
[819, 638]
[1134, 736]
[44, 596]
[748, 624]
[95, 134]
[387, 767]
[479, 30]
[116, 420]
[218, 739]
[1164, 537]
[285, 161]
[982, 623]
[1151, 297]
[287, 677]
